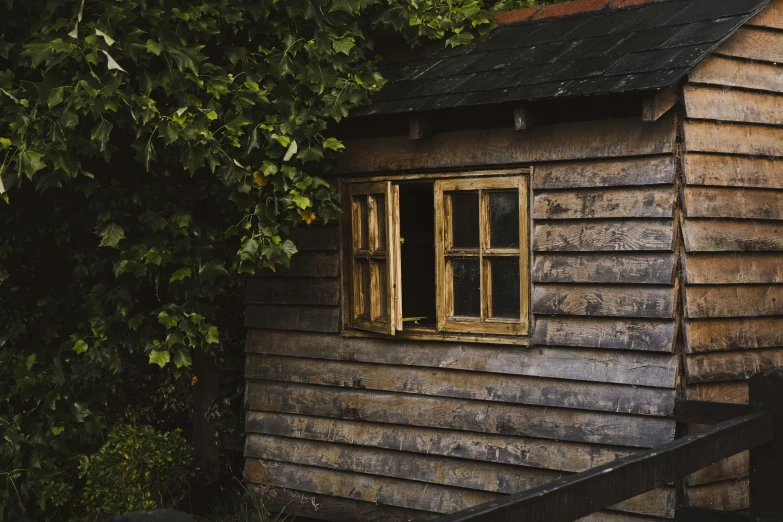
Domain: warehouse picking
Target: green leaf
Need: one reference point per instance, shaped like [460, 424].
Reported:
[5, 143]
[106, 38]
[169, 321]
[212, 270]
[56, 430]
[333, 143]
[160, 357]
[301, 202]
[31, 162]
[135, 322]
[212, 115]
[182, 359]
[344, 45]
[282, 140]
[100, 134]
[30, 361]
[80, 346]
[180, 274]
[153, 257]
[154, 47]
[213, 335]
[111, 235]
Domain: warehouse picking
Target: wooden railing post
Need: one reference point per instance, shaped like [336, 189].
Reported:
[766, 460]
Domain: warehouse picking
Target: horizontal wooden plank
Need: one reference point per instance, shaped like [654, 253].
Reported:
[656, 170]
[617, 334]
[733, 301]
[605, 203]
[655, 302]
[755, 44]
[614, 516]
[730, 495]
[290, 290]
[621, 367]
[473, 148]
[733, 334]
[317, 237]
[735, 467]
[385, 491]
[308, 264]
[735, 392]
[733, 138]
[658, 502]
[460, 414]
[732, 236]
[604, 236]
[485, 447]
[463, 385]
[481, 476]
[733, 171]
[737, 203]
[720, 103]
[771, 16]
[732, 72]
[604, 268]
[733, 268]
[731, 366]
[298, 318]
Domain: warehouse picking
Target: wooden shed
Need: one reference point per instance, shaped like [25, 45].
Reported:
[548, 237]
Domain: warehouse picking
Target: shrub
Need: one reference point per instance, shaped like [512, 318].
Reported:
[138, 468]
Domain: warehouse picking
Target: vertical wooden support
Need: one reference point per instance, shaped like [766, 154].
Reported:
[523, 120]
[418, 128]
[205, 443]
[766, 461]
[658, 103]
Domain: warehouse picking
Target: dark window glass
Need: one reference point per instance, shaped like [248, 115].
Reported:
[383, 288]
[467, 287]
[465, 219]
[417, 227]
[505, 287]
[504, 219]
[380, 208]
[363, 268]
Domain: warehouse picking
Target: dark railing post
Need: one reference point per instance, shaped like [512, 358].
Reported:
[766, 460]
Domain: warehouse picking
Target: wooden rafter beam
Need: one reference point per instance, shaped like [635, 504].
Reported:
[658, 103]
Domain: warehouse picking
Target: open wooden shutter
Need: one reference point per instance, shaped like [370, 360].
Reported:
[375, 255]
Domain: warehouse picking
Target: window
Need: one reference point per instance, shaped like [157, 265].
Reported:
[446, 255]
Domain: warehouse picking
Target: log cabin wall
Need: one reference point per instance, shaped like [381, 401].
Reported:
[733, 207]
[371, 429]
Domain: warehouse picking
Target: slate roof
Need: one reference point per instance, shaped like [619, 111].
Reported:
[640, 48]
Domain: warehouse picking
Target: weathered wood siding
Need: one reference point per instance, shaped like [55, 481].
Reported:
[392, 429]
[732, 228]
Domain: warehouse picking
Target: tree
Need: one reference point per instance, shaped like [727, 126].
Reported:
[154, 152]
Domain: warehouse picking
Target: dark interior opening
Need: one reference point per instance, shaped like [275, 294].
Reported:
[417, 229]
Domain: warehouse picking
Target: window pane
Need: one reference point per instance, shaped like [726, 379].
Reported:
[467, 287]
[380, 209]
[505, 287]
[465, 219]
[362, 290]
[360, 223]
[504, 219]
[379, 275]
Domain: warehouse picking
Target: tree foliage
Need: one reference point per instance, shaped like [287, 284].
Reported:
[152, 154]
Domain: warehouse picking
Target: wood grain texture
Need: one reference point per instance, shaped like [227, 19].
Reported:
[605, 301]
[733, 138]
[308, 264]
[771, 16]
[742, 203]
[656, 170]
[730, 495]
[733, 334]
[316, 237]
[293, 291]
[656, 104]
[467, 415]
[603, 236]
[293, 503]
[473, 148]
[733, 171]
[732, 392]
[731, 72]
[615, 334]
[733, 268]
[464, 385]
[485, 447]
[731, 366]
[621, 367]
[482, 476]
[719, 103]
[734, 467]
[755, 44]
[385, 491]
[297, 318]
[614, 516]
[732, 236]
[605, 203]
[604, 268]
[733, 301]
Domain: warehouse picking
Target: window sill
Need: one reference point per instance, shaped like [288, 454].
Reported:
[430, 334]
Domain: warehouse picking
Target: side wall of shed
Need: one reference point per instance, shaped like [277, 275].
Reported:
[386, 429]
[733, 231]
